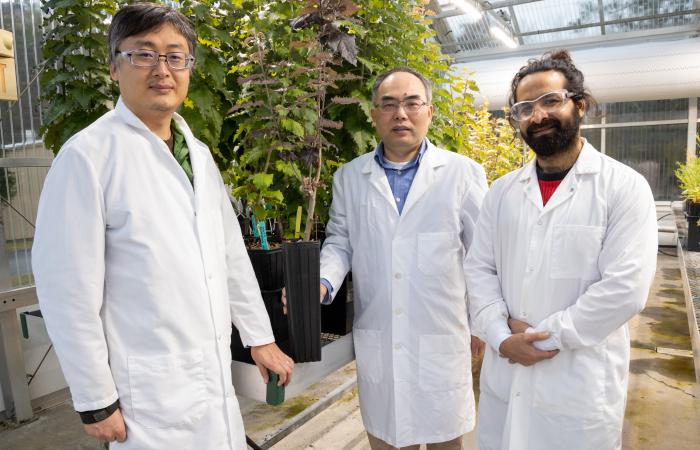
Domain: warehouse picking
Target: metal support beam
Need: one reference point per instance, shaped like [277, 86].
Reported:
[15, 390]
[25, 162]
[692, 124]
[13, 378]
[601, 16]
[516, 26]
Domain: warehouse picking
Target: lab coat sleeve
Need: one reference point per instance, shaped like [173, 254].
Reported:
[336, 255]
[488, 313]
[68, 261]
[471, 204]
[248, 311]
[627, 264]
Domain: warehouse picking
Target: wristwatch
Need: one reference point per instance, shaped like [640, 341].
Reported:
[98, 415]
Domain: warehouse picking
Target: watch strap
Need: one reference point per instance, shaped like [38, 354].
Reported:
[98, 415]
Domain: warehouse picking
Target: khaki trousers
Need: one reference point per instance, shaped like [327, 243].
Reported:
[454, 444]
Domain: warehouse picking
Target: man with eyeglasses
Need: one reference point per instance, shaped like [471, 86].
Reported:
[402, 219]
[139, 262]
[563, 257]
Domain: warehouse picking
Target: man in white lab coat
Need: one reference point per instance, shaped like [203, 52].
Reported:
[402, 218]
[139, 262]
[563, 256]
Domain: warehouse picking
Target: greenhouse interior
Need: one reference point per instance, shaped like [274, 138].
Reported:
[499, 202]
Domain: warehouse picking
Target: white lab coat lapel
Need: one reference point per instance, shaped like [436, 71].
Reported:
[377, 179]
[131, 119]
[528, 180]
[425, 176]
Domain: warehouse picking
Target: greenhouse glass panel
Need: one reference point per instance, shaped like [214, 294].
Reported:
[592, 135]
[643, 111]
[594, 115]
[652, 151]
[548, 14]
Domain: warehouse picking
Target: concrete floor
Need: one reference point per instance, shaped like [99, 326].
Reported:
[663, 411]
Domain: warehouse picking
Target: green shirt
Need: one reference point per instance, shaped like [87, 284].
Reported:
[181, 152]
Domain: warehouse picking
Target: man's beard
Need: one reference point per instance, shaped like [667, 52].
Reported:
[557, 141]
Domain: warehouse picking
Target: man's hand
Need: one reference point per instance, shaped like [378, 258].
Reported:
[323, 292]
[269, 356]
[108, 430]
[518, 348]
[284, 297]
[517, 326]
[477, 347]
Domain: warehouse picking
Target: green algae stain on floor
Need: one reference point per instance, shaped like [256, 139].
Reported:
[677, 368]
[296, 405]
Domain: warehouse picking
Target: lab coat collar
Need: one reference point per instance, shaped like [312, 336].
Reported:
[588, 162]
[425, 176]
[196, 158]
[430, 160]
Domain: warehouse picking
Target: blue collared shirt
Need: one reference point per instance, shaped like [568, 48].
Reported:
[400, 177]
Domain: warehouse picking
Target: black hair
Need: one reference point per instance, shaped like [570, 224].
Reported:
[559, 60]
[380, 79]
[140, 18]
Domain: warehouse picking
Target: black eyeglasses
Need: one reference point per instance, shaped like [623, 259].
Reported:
[149, 58]
[550, 102]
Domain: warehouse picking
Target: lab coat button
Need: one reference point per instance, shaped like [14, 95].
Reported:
[397, 346]
[397, 276]
[397, 311]
[539, 222]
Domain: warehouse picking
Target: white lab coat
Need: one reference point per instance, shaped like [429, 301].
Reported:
[139, 276]
[579, 268]
[411, 329]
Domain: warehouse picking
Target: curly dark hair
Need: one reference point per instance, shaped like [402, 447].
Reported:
[559, 60]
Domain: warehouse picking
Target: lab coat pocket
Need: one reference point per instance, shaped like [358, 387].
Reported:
[438, 252]
[575, 251]
[158, 398]
[444, 362]
[368, 354]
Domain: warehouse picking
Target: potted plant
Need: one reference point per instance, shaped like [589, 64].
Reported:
[688, 175]
[286, 75]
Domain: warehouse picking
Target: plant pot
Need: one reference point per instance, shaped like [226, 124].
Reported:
[302, 280]
[268, 266]
[337, 317]
[693, 244]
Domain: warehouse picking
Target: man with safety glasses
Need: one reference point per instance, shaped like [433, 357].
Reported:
[139, 263]
[563, 256]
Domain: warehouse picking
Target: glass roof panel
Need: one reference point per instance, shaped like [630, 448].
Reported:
[542, 23]
[548, 14]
